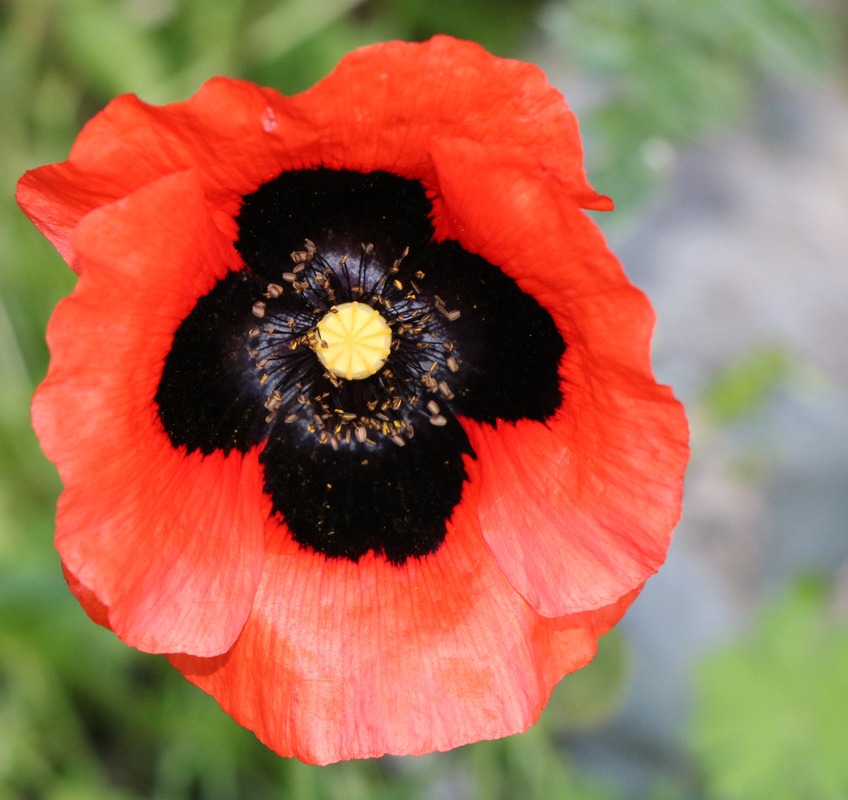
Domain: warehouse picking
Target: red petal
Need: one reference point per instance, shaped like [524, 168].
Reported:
[380, 109]
[233, 133]
[170, 543]
[578, 511]
[383, 106]
[92, 606]
[341, 660]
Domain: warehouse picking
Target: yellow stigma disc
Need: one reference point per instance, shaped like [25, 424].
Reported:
[353, 341]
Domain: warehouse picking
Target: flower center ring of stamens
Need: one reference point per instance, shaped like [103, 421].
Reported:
[353, 341]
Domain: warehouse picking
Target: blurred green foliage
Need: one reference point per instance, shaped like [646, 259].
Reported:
[665, 73]
[771, 725]
[741, 388]
[83, 717]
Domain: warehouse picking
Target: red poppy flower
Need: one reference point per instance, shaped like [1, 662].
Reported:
[352, 405]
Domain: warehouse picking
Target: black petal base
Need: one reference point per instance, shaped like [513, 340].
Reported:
[357, 465]
[393, 500]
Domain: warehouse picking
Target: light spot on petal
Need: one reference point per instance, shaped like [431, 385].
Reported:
[269, 120]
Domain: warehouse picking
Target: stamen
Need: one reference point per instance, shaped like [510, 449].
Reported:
[349, 319]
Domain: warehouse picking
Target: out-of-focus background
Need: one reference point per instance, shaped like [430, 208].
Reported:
[721, 129]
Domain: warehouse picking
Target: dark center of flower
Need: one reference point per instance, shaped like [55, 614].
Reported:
[348, 348]
[383, 348]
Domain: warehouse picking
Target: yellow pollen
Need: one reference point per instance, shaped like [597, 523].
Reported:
[353, 341]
